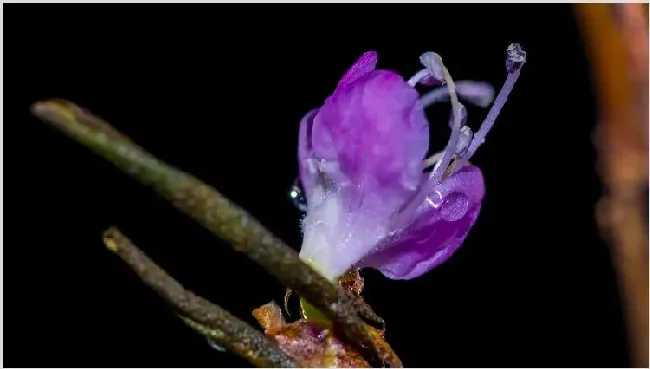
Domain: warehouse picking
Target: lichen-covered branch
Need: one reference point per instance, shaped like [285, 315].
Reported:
[215, 212]
[617, 40]
[203, 316]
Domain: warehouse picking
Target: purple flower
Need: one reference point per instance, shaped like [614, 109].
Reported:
[370, 200]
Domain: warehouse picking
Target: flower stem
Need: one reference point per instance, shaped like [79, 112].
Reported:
[212, 210]
[203, 316]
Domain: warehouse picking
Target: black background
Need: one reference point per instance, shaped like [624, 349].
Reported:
[219, 91]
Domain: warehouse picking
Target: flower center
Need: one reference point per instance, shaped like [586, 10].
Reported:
[462, 142]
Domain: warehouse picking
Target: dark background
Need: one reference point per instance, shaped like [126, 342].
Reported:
[219, 91]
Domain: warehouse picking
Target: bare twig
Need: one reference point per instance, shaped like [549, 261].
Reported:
[206, 318]
[617, 39]
[215, 212]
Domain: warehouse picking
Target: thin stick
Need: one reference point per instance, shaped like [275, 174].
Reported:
[619, 57]
[216, 213]
[218, 324]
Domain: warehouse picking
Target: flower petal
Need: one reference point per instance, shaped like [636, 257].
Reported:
[374, 134]
[439, 229]
[360, 161]
[366, 64]
[306, 162]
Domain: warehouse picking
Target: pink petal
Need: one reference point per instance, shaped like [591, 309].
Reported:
[375, 132]
[440, 228]
[366, 64]
[307, 165]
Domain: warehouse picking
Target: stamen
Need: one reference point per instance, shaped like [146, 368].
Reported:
[419, 76]
[464, 140]
[516, 58]
[434, 64]
[433, 159]
[435, 96]
[432, 74]
[478, 93]
[457, 111]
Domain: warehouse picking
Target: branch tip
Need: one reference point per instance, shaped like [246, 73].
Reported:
[210, 209]
[208, 319]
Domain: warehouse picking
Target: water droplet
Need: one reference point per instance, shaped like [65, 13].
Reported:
[454, 207]
[297, 195]
[216, 346]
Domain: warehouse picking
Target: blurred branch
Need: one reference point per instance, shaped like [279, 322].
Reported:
[617, 39]
[219, 215]
[206, 318]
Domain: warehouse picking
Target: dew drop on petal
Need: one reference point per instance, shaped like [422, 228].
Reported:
[454, 207]
[297, 195]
